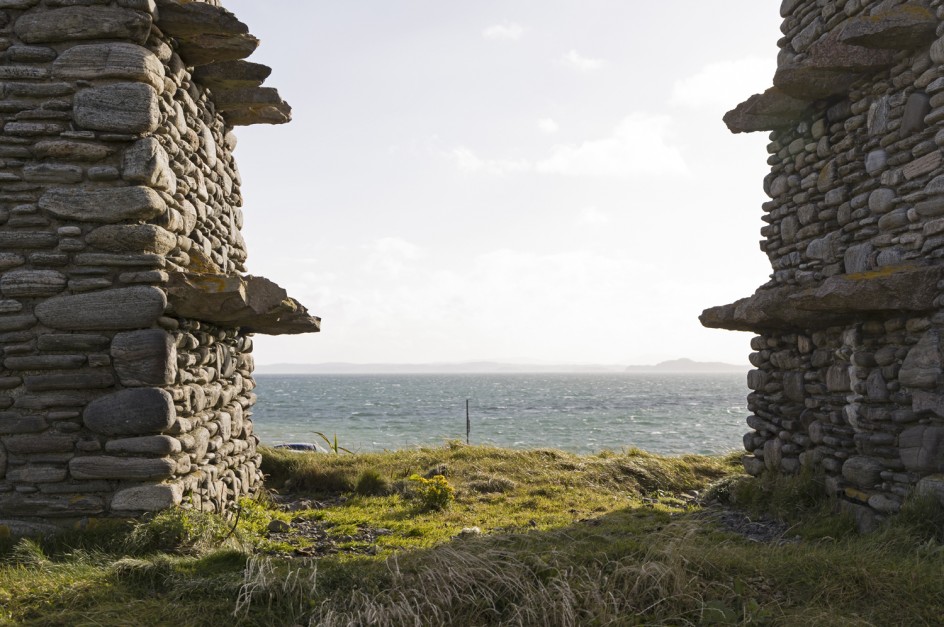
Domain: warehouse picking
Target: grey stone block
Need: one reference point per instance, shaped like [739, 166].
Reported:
[147, 163]
[147, 445]
[151, 498]
[144, 358]
[31, 283]
[118, 108]
[130, 468]
[864, 472]
[117, 60]
[51, 506]
[103, 205]
[922, 368]
[72, 342]
[99, 380]
[83, 23]
[118, 309]
[44, 362]
[143, 411]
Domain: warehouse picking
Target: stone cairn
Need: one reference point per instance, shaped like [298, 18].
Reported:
[125, 315]
[849, 356]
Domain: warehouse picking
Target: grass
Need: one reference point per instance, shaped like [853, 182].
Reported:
[531, 538]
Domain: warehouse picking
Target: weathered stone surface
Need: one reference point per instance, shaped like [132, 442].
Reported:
[267, 114]
[254, 304]
[864, 472]
[931, 486]
[837, 379]
[922, 448]
[43, 362]
[38, 443]
[188, 19]
[135, 469]
[118, 108]
[147, 163]
[144, 358]
[117, 60]
[38, 473]
[132, 238]
[72, 342]
[924, 365]
[71, 149]
[117, 309]
[830, 69]
[83, 23]
[162, 445]
[152, 498]
[916, 109]
[902, 27]
[103, 205]
[97, 380]
[768, 111]
[31, 283]
[25, 239]
[143, 411]
[3, 461]
[50, 506]
[894, 288]
[230, 74]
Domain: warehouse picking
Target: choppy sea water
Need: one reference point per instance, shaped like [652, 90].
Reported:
[666, 414]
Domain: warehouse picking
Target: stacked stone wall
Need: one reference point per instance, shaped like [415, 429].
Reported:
[848, 357]
[125, 319]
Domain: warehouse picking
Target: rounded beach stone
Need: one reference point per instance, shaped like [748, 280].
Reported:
[103, 467]
[864, 472]
[882, 200]
[144, 358]
[32, 283]
[119, 309]
[143, 411]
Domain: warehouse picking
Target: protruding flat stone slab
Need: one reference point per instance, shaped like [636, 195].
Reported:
[142, 411]
[83, 23]
[190, 19]
[232, 74]
[831, 69]
[267, 114]
[838, 300]
[119, 60]
[904, 27]
[118, 108]
[769, 111]
[255, 304]
[107, 310]
[106, 205]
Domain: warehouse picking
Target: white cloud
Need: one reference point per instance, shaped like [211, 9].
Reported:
[576, 61]
[722, 85]
[468, 162]
[640, 145]
[509, 31]
[548, 126]
[591, 216]
[391, 256]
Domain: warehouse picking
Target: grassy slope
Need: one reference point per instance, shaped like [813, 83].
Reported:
[565, 540]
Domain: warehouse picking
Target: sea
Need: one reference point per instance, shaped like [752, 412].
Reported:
[582, 413]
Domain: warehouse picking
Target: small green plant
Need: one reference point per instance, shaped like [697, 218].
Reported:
[435, 492]
[372, 483]
[333, 444]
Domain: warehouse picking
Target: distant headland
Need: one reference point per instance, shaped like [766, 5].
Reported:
[675, 366]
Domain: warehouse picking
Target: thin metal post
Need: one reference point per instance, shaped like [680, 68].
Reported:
[468, 423]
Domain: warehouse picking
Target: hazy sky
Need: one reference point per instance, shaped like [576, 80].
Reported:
[523, 180]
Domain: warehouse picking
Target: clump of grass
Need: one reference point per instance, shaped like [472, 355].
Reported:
[371, 483]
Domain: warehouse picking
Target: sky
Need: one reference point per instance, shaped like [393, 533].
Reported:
[527, 181]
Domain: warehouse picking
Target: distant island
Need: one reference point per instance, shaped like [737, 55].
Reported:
[675, 366]
[688, 366]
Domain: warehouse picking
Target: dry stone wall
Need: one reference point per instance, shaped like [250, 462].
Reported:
[126, 317]
[849, 356]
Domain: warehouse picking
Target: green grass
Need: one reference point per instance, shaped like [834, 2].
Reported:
[561, 539]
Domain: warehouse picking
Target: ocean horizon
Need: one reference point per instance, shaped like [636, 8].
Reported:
[577, 412]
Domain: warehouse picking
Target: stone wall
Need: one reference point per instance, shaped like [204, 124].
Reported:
[849, 352]
[125, 315]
